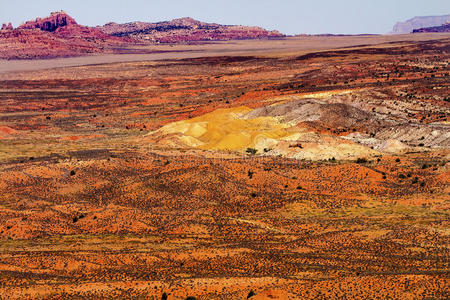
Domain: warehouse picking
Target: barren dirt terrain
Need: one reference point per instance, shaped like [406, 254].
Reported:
[288, 46]
[303, 171]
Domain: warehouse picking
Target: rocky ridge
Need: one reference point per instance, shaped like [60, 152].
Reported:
[186, 30]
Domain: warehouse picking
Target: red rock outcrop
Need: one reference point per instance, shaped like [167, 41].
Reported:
[51, 23]
[31, 44]
[58, 35]
[64, 25]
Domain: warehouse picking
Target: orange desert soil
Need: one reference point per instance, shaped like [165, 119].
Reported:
[267, 173]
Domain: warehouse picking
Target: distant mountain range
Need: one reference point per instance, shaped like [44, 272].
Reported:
[419, 22]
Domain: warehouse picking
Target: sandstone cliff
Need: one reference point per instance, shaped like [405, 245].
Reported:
[419, 22]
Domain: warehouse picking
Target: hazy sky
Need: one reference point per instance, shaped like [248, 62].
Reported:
[287, 16]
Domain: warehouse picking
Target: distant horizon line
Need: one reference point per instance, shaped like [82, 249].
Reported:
[261, 26]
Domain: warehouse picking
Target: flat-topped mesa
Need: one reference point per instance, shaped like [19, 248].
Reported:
[418, 23]
[50, 23]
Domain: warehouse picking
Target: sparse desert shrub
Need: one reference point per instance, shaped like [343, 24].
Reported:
[361, 160]
[76, 218]
[164, 296]
[251, 294]
[251, 151]
[253, 195]
[397, 160]
[72, 173]
[250, 174]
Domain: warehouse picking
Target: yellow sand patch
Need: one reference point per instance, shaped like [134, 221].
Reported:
[232, 129]
[224, 129]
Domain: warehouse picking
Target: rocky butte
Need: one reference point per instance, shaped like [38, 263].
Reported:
[51, 23]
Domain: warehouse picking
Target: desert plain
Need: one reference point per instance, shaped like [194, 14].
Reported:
[294, 168]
